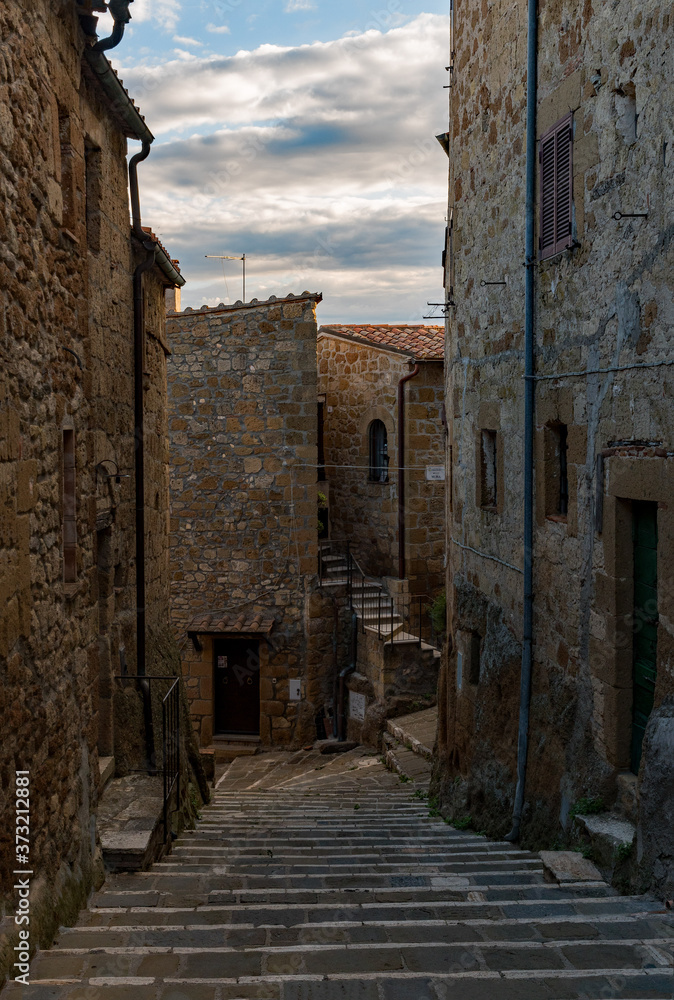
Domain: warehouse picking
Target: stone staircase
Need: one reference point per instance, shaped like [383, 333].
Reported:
[309, 879]
[408, 746]
[370, 600]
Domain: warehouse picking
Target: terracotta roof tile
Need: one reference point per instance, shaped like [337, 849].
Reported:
[425, 342]
[216, 624]
[148, 230]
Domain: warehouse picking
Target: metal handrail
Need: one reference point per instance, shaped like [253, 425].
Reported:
[171, 748]
[170, 769]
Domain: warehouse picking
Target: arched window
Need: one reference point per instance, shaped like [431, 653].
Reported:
[378, 452]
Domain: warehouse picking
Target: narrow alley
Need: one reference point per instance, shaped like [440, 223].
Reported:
[315, 877]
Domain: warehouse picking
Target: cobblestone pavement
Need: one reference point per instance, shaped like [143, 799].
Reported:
[324, 878]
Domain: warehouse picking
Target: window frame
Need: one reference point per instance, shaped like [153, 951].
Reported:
[378, 456]
[549, 158]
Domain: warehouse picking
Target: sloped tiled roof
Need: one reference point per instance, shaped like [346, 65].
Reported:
[427, 343]
[229, 624]
[148, 230]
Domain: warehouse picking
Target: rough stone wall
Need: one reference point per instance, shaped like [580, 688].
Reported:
[360, 384]
[66, 366]
[605, 303]
[244, 526]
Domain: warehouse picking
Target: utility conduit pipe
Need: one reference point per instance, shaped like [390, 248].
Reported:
[401, 469]
[529, 384]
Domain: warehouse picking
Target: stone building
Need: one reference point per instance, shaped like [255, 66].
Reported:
[364, 374]
[80, 384]
[601, 711]
[254, 629]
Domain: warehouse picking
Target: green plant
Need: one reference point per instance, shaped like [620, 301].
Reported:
[404, 778]
[438, 612]
[420, 794]
[356, 806]
[586, 807]
[462, 823]
[622, 852]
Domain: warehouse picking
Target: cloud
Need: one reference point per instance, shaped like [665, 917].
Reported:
[182, 40]
[218, 29]
[165, 13]
[293, 5]
[319, 161]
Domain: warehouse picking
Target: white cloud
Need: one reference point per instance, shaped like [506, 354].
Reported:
[293, 5]
[218, 29]
[165, 13]
[318, 161]
[182, 40]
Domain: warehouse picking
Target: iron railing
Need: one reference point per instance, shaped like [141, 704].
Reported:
[376, 608]
[170, 739]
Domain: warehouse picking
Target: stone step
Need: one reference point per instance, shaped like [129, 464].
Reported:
[530, 984]
[267, 933]
[556, 908]
[321, 957]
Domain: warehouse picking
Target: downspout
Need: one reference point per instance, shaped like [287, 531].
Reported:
[121, 17]
[401, 469]
[139, 436]
[342, 679]
[529, 384]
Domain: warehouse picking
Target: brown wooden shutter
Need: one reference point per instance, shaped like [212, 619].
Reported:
[556, 188]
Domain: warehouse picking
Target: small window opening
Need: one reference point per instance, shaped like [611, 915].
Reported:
[626, 113]
[69, 509]
[556, 470]
[67, 170]
[488, 470]
[93, 196]
[378, 452]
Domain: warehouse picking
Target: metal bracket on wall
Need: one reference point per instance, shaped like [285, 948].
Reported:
[195, 641]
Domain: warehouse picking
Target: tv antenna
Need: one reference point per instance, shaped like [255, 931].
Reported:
[242, 258]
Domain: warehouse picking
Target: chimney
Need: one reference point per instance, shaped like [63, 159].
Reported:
[172, 300]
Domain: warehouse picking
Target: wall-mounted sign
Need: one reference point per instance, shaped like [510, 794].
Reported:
[222, 663]
[356, 706]
[435, 473]
[295, 689]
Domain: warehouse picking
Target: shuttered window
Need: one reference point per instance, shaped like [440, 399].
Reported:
[555, 159]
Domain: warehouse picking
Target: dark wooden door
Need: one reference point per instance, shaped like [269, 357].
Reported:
[644, 662]
[236, 686]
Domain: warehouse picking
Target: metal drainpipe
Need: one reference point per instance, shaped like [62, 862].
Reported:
[121, 17]
[344, 674]
[529, 384]
[139, 436]
[401, 469]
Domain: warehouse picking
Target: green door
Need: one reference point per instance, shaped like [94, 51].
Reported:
[645, 542]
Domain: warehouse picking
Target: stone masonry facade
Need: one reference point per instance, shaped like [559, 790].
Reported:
[603, 418]
[244, 519]
[358, 383]
[67, 503]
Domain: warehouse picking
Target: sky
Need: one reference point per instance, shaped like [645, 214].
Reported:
[301, 133]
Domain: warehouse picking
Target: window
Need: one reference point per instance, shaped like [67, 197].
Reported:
[488, 469]
[69, 218]
[378, 452]
[69, 509]
[93, 195]
[556, 173]
[556, 471]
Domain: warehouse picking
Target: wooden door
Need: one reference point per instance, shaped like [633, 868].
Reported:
[644, 661]
[236, 687]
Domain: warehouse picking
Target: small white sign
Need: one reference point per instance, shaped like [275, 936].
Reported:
[356, 706]
[295, 689]
[435, 473]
